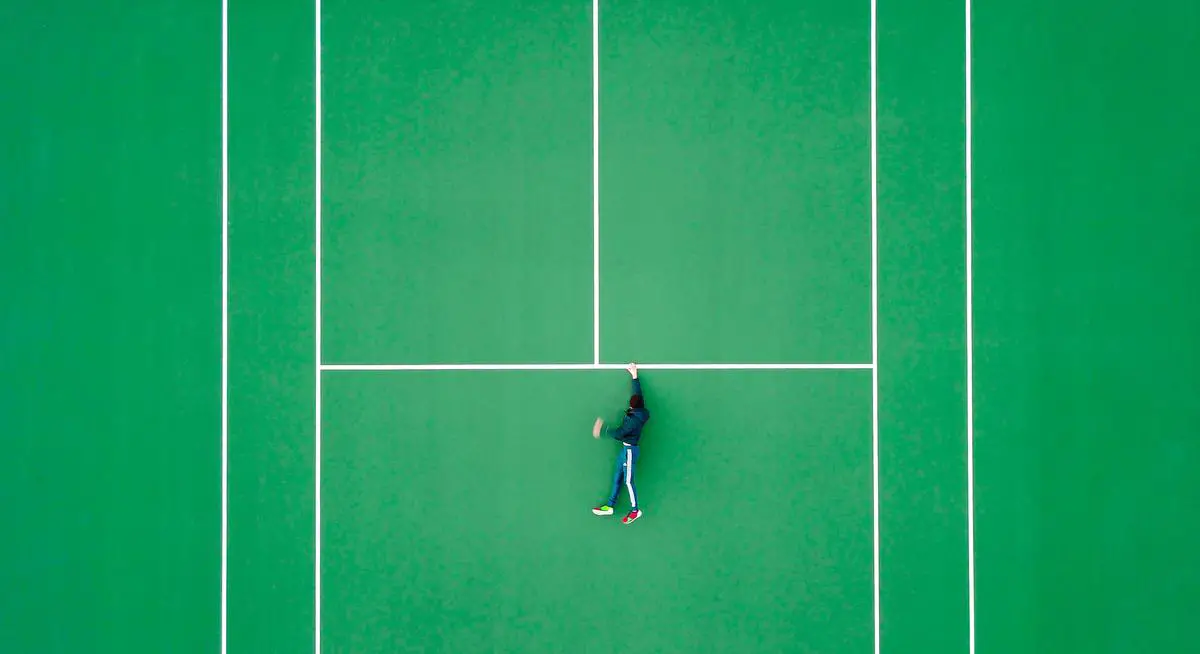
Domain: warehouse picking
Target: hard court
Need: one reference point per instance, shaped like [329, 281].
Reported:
[313, 305]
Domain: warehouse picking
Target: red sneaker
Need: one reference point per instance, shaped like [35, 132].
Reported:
[633, 515]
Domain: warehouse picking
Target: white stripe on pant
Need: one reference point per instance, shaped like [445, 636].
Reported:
[629, 476]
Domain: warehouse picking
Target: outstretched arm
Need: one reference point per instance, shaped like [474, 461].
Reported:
[623, 430]
[618, 433]
[626, 428]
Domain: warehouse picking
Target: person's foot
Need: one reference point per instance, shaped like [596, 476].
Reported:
[603, 510]
[633, 515]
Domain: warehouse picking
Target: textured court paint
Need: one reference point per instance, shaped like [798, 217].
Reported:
[271, 548]
[735, 218]
[922, 333]
[457, 514]
[1087, 248]
[110, 297]
[458, 183]
[1086, 350]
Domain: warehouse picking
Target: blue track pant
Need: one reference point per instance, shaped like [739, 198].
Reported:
[623, 475]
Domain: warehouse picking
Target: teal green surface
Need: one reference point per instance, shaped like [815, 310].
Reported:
[457, 182]
[735, 226]
[735, 181]
[924, 592]
[456, 513]
[272, 351]
[110, 245]
[1086, 260]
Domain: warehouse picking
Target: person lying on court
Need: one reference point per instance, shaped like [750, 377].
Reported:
[629, 434]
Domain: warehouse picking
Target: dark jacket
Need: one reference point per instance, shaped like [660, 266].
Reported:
[632, 423]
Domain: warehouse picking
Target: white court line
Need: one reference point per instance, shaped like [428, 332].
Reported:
[596, 365]
[317, 360]
[224, 322]
[970, 238]
[383, 367]
[874, 327]
[596, 181]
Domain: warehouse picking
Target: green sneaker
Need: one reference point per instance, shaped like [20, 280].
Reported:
[603, 510]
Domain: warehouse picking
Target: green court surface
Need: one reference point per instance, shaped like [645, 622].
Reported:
[367, 428]
[458, 519]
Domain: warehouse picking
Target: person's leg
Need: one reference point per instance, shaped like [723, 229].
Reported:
[635, 511]
[618, 478]
[631, 459]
